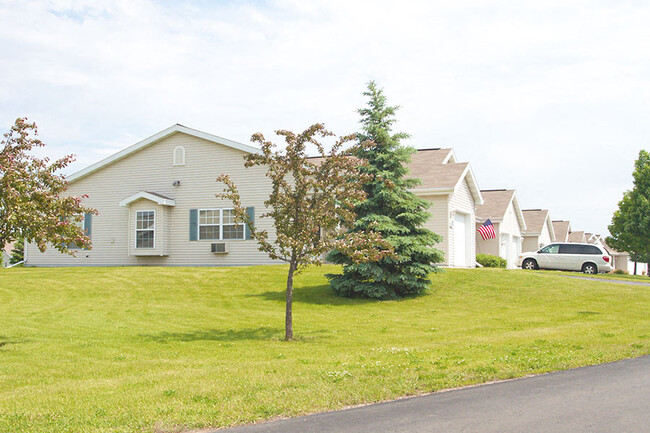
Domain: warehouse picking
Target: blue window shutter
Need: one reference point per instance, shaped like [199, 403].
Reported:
[88, 224]
[194, 224]
[251, 214]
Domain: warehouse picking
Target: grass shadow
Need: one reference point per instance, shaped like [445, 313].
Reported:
[233, 335]
[226, 335]
[320, 295]
[315, 295]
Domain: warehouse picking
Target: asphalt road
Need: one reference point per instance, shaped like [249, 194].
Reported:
[611, 397]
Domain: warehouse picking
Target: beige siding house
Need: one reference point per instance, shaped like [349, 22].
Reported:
[562, 230]
[578, 237]
[501, 207]
[453, 192]
[539, 229]
[157, 205]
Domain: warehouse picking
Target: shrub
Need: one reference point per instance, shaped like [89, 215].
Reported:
[620, 272]
[489, 261]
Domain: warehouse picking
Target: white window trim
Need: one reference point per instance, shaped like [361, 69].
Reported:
[221, 224]
[174, 156]
[135, 227]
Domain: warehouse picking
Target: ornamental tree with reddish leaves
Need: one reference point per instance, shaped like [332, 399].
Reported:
[33, 206]
[311, 202]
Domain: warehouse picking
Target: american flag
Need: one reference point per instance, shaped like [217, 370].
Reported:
[487, 230]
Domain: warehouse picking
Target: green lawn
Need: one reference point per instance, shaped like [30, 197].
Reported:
[167, 349]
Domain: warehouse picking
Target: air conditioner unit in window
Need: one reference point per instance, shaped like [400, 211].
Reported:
[220, 248]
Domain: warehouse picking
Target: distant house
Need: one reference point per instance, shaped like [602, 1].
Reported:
[539, 229]
[453, 192]
[578, 236]
[501, 207]
[562, 229]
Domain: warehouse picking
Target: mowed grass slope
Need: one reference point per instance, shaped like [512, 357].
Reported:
[167, 349]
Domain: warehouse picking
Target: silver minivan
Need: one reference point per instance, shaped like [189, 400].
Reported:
[586, 258]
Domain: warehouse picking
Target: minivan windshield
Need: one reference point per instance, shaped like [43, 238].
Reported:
[550, 249]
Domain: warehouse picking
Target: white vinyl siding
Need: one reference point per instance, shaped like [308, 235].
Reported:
[149, 170]
[439, 222]
[462, 202]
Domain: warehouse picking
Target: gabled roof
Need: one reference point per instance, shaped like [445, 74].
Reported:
[562, 230]
[433, 157]
[578, 236]
[174, 129]
[152, 196]
[496, 204]
[443, 178]
[535, 221]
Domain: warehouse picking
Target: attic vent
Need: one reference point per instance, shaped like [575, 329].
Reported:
[220, 248]
[179, 155]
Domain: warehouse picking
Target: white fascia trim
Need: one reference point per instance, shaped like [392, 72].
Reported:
[155, 138]
[520, 214]
[432, 191]
[152, 197]
[450, 158]
[549, 224]
[473, 184]
[493, 220]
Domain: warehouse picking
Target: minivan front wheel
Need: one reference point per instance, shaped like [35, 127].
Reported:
[529, 264]
[589, 268]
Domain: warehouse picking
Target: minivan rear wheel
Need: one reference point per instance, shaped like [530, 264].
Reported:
[529, 264]
[589, 268]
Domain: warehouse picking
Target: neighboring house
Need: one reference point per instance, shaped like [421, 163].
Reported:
[578, 237]
[157, 205]
[562, 230]
[501, 206]
[621, 259]
[539, 229]
[5, 256]
[453, 192]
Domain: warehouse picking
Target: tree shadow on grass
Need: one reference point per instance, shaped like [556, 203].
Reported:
[231, 335]
[320, 295]
[228, 335]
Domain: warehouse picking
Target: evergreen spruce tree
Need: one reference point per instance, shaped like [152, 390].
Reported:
[391, 210]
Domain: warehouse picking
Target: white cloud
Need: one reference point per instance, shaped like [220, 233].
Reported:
[551, 98]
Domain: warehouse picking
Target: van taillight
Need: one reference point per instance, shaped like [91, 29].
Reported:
[606, 258]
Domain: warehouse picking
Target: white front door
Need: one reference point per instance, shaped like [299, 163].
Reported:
[460, 240]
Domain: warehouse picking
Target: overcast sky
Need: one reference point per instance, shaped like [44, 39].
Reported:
[551, 98]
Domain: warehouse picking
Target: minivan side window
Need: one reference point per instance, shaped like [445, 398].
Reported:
[579, 249]
[550, 249]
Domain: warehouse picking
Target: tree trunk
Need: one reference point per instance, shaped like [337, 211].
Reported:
[288, 319]
[635, 267]
[647, 269]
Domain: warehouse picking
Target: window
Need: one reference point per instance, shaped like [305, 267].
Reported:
[579, 249]
[145, 222]
[551, 249]
[179, 155]
[219, 224]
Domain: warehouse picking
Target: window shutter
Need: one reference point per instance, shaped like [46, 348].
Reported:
[194, 224]
[88, 224]
[251, 214]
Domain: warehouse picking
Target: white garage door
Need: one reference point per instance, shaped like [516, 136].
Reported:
[460, 240]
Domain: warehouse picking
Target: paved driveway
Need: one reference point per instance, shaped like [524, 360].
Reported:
[611, 397]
